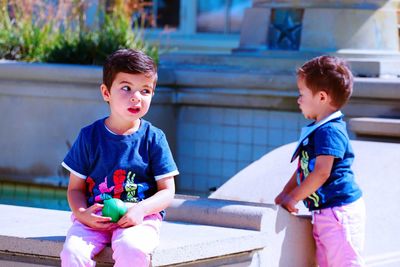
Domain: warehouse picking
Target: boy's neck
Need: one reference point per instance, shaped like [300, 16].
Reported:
[122, 127]
[326, 113]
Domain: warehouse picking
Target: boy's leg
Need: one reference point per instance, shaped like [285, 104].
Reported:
[132, 246]
[319, 247]
[82, 244]
[341, 232]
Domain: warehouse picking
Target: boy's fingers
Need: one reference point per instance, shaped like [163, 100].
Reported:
[103, 219]
[98, 206]
[95, 207]
[294, 210]
[103, 226]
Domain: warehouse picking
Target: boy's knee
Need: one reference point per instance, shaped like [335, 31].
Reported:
[74, 256]
[131, 256]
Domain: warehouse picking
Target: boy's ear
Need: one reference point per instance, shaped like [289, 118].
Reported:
[105, 92]
[323, 96]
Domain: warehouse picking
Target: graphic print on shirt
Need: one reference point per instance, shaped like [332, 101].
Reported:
[306, 166]
[98, 194]
[104, 190]
[90, 188]
[130, 187]
[119, 179]
[122, 186]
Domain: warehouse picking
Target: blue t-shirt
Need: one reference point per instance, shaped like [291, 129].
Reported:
[339, 189]
[120, 166]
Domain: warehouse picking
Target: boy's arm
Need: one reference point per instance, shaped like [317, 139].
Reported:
[316, 178]
[75, 194]
[78, 204]
[290, 185]
[162, 199]
[152, 205]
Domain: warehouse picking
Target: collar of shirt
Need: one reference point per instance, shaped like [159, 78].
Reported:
[306, 131]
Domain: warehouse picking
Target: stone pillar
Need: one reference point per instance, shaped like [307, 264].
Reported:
[254, 33]
[321, 25]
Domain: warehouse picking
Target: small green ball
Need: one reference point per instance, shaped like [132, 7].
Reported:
[114, 208]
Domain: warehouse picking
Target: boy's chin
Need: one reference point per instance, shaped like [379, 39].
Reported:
[308, 117]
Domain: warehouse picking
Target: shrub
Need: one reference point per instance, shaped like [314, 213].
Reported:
[24, 36]
[45, 32]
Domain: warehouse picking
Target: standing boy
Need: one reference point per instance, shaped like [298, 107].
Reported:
[324, 179]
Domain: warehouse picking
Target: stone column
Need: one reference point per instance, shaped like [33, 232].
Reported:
[321, 25]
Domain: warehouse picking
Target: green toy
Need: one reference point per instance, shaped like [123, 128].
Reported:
[114, 208]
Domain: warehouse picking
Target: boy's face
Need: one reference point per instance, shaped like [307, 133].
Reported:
[313, 106]
[129, 96]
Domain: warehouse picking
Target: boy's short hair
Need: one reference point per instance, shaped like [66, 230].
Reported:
[128, 61]
[329, 74]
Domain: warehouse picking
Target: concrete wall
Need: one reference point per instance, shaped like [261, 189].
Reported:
[346, 25]
[375, 167]
[220, 113]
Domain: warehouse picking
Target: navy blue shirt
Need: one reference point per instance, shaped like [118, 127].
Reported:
[330, 138]
[120, 166]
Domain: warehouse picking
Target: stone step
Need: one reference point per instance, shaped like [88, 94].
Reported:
[385, 127]
[283, 62]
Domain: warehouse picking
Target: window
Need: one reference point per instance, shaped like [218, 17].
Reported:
[220, 16]
[195, 25]
[168, 13]
[208, 16]
[159, 14]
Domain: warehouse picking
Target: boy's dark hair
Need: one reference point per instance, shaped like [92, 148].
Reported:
[329, 74]
[128, 61]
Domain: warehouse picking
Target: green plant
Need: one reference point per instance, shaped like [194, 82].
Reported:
[25, 35]
[43, 35]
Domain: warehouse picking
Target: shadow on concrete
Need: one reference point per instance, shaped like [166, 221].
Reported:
[297, 246]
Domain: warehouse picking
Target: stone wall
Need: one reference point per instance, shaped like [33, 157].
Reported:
[323, 26]
[219, 113]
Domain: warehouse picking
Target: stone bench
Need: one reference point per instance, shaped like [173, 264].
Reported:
[197, 232]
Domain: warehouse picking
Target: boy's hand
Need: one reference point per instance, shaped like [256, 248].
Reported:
[279, 198]
[134, 216]
[289, 204]
[90, 218]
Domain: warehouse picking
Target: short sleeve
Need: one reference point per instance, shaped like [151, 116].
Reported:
[330, 141]
[163, 164]
[77, 159]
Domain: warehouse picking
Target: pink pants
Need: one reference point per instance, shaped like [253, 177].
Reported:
[132, 246]
[339, 234]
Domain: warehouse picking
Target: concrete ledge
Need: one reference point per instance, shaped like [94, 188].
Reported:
[375, 127]
[225, 213]
[69, 73]
[36, 235]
